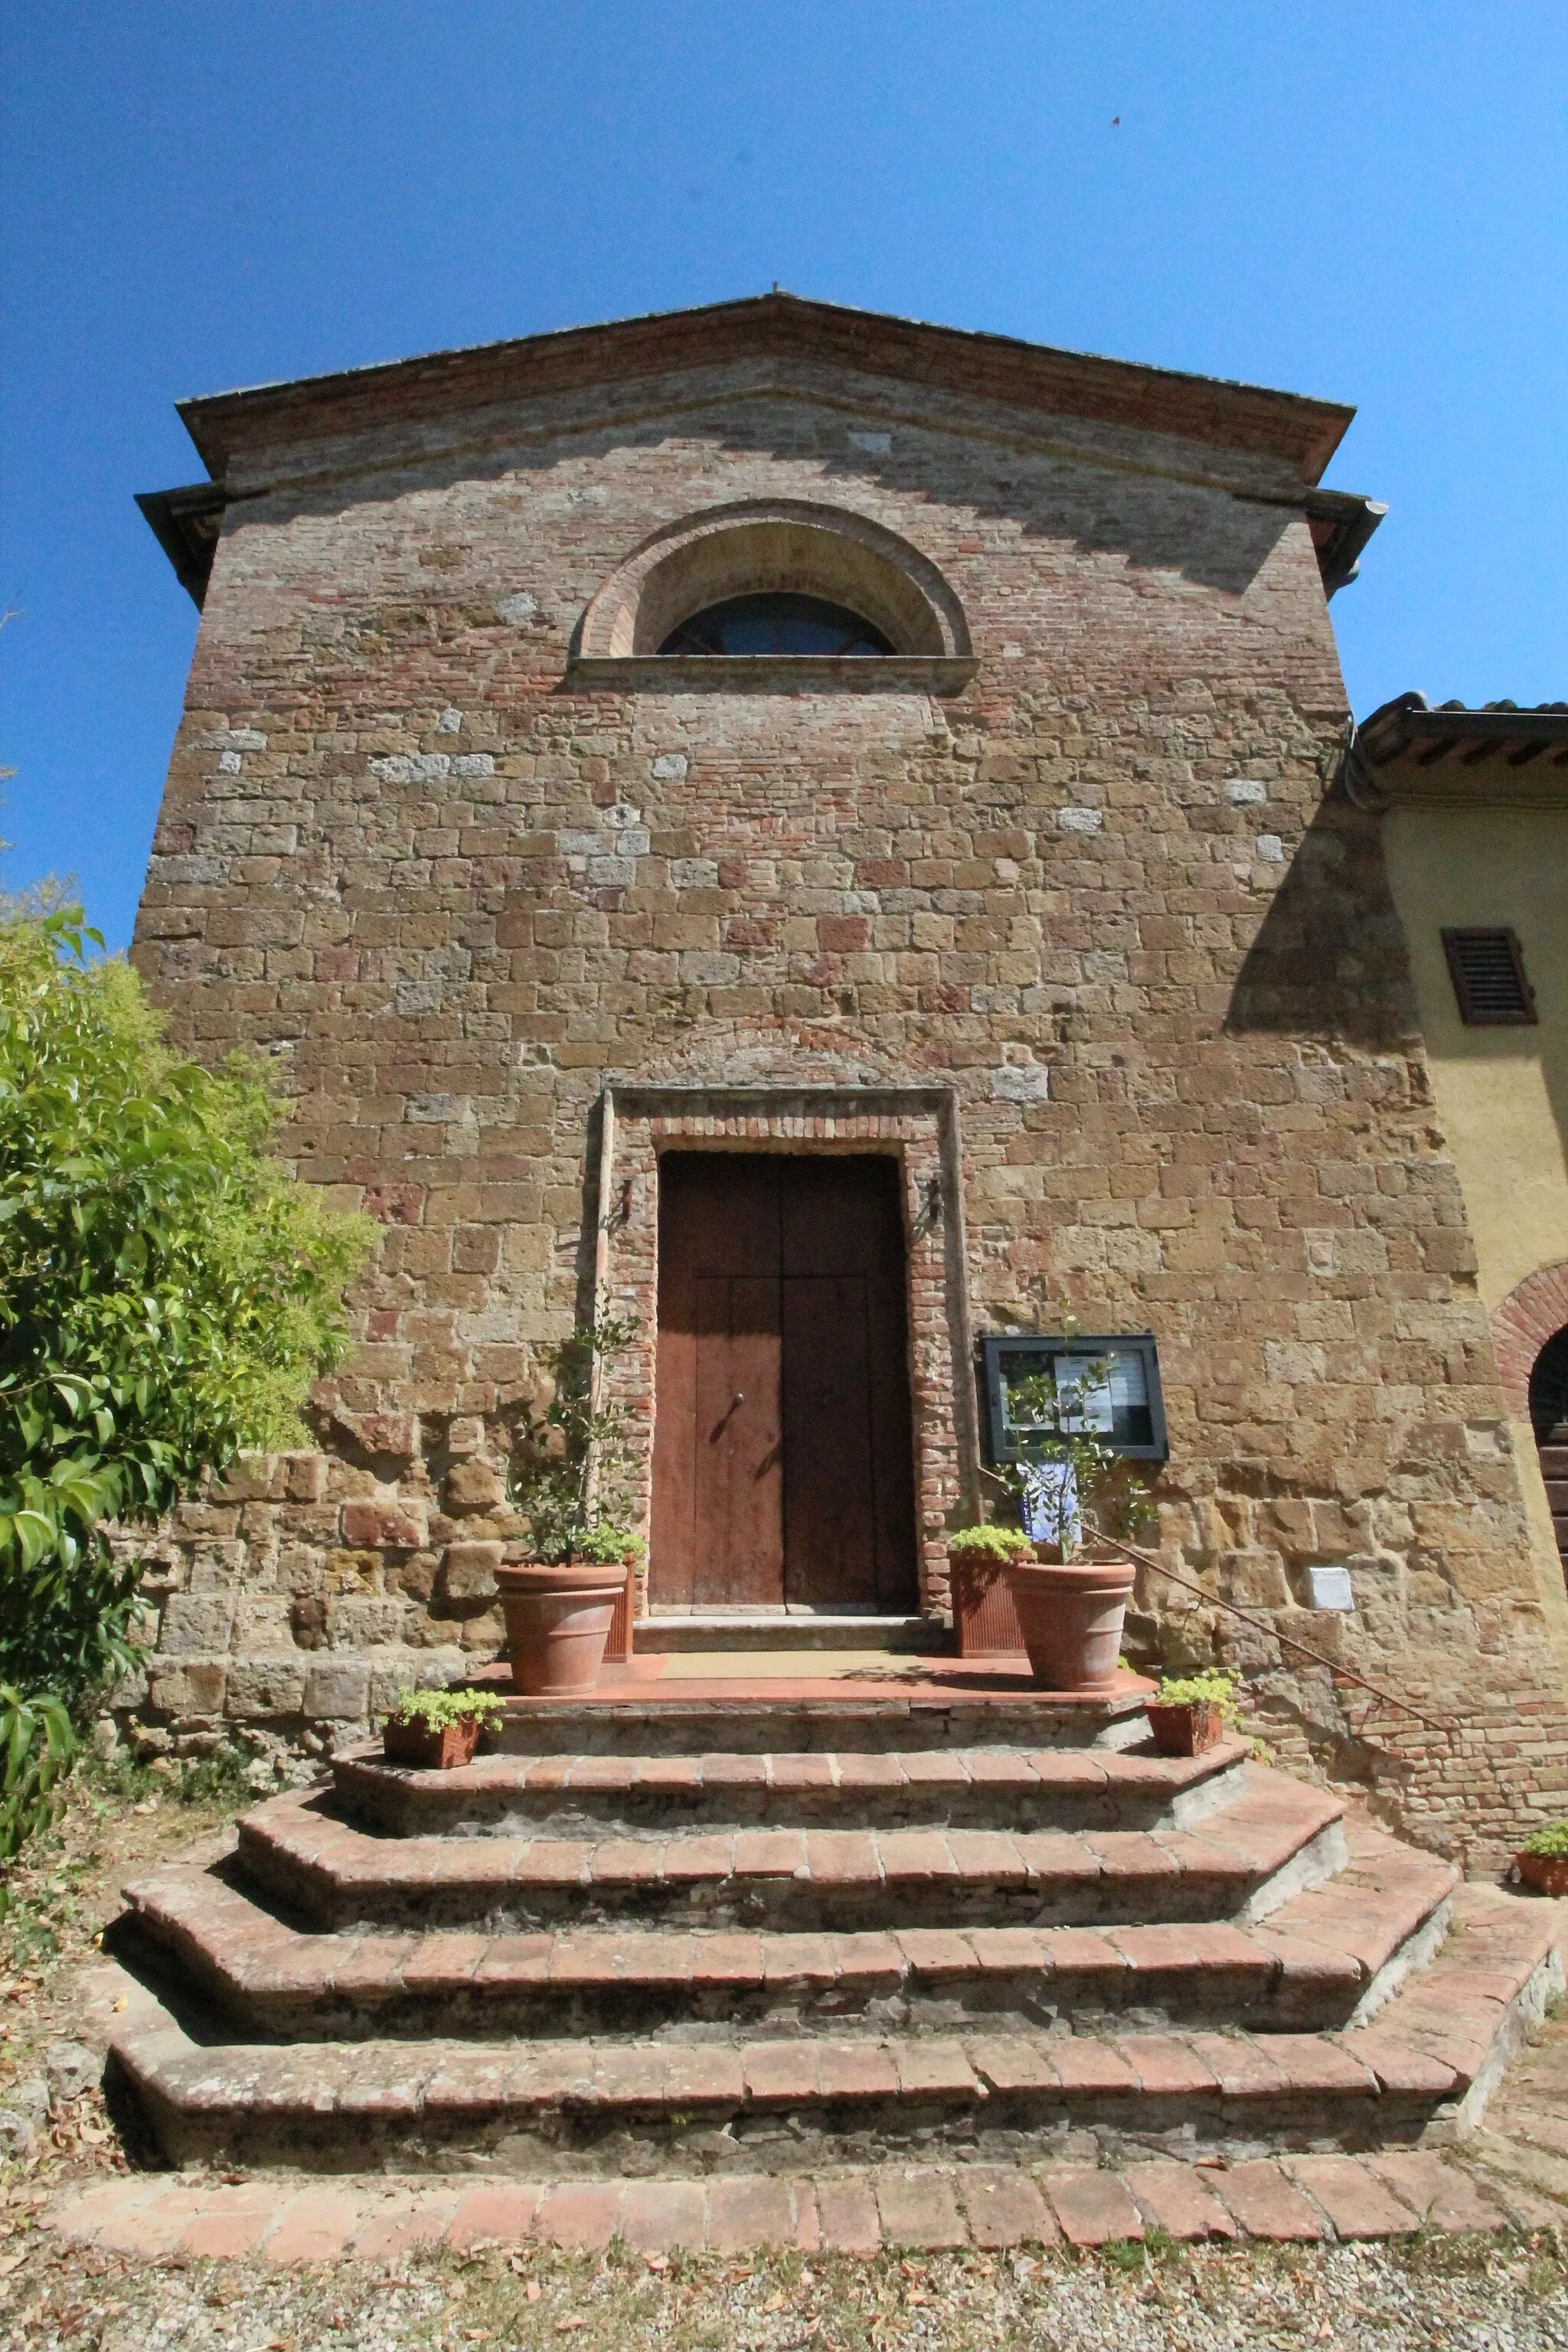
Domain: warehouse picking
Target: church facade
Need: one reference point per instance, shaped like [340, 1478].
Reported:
[831, 842]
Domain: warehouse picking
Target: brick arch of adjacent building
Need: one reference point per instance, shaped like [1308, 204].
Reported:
[1528, 1318]
[767, 544]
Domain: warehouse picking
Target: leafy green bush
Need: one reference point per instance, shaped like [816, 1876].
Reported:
[606, 1540]
[991, 1543]
[1551, 1843]
[439, 1709]
[166, 1293]
[1216, 1689]
[37, 1747]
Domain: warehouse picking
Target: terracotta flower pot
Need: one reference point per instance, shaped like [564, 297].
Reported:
[558, 1621]
[982, 1614]
[1547, 1872]
[1186, 1730]
[1070, 1618]
[429, 1750]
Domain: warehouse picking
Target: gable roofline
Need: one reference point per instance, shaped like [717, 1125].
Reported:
[1297, 431]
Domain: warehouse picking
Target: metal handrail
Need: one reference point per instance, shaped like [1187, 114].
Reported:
[1259, 1624]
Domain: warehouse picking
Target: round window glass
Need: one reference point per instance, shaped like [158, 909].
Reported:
[775, 623]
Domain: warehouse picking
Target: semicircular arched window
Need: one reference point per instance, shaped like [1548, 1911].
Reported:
[776, 621]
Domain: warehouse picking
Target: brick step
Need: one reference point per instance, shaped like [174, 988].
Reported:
[1418, 2073]
[1325, 1959]
[971, 1703]
[684, 1631]
[1294, 2200]
[1279, 1837]
[1129, 1788]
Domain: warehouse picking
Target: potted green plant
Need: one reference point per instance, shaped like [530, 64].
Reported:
[1076, 1497]
[436, 1730]
[1190, 1713]
[1543, 1860]
[983, 1613]
[560, 1600]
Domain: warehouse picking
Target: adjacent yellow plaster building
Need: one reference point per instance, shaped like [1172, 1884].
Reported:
[1474, 830]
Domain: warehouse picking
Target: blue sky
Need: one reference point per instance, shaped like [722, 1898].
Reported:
[1367, 201]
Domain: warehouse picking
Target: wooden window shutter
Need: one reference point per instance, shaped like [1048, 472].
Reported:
[1488, 971]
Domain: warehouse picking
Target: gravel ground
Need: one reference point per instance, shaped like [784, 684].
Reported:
[1461, 2293]
[1456, 2293]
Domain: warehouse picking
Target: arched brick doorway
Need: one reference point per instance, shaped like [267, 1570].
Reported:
[1549, 1420]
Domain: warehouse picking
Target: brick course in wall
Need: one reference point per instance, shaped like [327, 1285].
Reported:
[1105, 900]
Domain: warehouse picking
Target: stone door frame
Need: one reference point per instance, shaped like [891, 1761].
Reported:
[917, 1125]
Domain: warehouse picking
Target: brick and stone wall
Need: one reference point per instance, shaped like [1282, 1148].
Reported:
[1105, 895]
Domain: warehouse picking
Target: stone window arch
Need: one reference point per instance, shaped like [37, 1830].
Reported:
[1529, 1332]
[1549, 1420]
[789, 547]
[1528, 1317]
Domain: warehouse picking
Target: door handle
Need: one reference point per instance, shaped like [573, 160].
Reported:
[723, 1423]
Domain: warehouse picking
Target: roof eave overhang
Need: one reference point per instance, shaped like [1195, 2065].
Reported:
[186, 523]
[1408, 755]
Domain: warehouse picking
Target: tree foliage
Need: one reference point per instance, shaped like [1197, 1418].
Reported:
[166, 1292]
[37, 1743]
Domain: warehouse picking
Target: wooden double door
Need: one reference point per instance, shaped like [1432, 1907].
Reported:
[782, 1459]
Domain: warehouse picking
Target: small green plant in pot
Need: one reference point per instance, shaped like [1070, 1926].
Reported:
[560, 1602]
[1543, 1860]
[1191, 1712]
[436, 1730]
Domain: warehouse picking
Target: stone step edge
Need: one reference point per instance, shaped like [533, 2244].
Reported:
[1235, 2079]
[1296, 2199]
[1343, 1940]
[1444, 2051]
[360, 1772]
[1241, 1857]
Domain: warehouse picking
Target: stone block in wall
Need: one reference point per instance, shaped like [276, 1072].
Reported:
[392, 1671]
[466, 1436]
[347, 1482]
[261, 1624]
[263, 1686]
[302, 1560]
[361, 1620]
[1253, 1579]
[205, 1518]
[394, 1204]
[130, 1691]
[397, 1524]
[415, 1576]
[308, 1622]
[305, 1477]
[472, 1487]
[468, 1570]
[1288, 1519]
[214, 1565]
[394, 1435]
[337, 1691]
[197, 1624]
[248, 1480]
[353, 1572]
[482, 1636]
[194, 1686]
